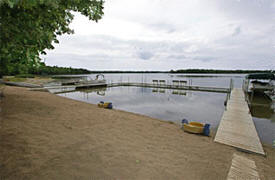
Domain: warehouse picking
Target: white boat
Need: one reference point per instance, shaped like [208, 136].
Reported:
[260, 83]
[89, 80]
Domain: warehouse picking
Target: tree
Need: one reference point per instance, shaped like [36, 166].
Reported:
[29, 27]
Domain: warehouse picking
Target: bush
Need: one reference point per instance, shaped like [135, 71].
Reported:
[14, 79]
[24, 76]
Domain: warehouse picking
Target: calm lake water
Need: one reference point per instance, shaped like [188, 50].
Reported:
[174, 105]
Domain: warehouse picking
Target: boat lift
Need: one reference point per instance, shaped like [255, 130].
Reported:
[263, 83]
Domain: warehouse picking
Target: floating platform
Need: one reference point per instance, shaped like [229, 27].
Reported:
[168, 86]
[161, 86]
[85, 85]
[236, 127]
[70, 88]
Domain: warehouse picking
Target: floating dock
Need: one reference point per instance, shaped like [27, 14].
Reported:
[168, 86]
[237, 128]
[84, 85]
[69, 88]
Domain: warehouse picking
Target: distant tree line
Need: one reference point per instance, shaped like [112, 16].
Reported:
[42, 69]
[114, 71]
[202, 71]
[217, 71]
[55, 70]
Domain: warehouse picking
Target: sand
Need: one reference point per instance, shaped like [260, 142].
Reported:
[37, 80]
[44, 136]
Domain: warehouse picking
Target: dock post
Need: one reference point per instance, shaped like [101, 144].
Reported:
[231, 84]
[230, 87]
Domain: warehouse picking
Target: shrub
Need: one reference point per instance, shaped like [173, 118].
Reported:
[24, 76]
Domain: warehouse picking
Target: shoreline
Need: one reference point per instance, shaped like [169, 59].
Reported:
[54, 137]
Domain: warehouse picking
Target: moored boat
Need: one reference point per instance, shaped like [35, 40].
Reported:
[259, 82]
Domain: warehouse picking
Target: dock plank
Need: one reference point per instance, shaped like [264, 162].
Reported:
[237, 128]
[242, 168]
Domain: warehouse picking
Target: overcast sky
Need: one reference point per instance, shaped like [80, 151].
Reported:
[172, 34]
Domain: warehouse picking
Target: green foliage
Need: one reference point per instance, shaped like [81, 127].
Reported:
[14, 79]
[54, 70]
[29, 27]
[24, 76]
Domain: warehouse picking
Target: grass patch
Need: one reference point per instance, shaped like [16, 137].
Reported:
[2, 86]
[24, 76]
[14, 79]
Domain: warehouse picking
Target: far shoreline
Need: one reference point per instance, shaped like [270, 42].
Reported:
[189, 71]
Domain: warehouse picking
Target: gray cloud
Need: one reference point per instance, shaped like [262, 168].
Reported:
[237, 31]
[204, 58]
[256, 11]
[145, 55]
[162, 26]
[164, 35]
[176, 56]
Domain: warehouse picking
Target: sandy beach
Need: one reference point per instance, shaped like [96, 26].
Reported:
[44, 136]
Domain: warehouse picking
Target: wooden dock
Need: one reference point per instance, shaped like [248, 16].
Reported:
[172, 86]
[67, 88]
[85, 85]
[237, 128]
[243, 168]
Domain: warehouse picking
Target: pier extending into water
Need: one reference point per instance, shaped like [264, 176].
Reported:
[84, 85]
[172, 86]
[236, 127]
[67, 88]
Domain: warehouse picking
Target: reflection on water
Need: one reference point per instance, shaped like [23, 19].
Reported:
[98, 91]
[263, 113]
[262, 107]
[174, 105]
[165, 104]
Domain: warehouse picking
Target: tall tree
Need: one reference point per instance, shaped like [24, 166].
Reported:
[29, 27]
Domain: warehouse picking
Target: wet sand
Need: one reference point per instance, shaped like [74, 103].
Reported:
[44, 136]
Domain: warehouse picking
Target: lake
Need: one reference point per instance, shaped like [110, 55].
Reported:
[174, 105]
